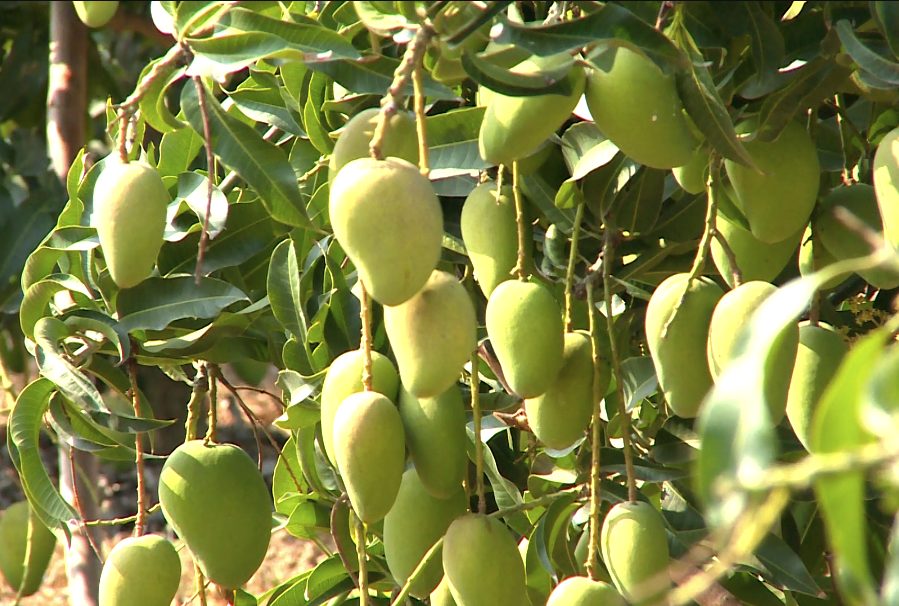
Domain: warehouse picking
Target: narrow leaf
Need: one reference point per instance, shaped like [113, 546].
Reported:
[868, 60]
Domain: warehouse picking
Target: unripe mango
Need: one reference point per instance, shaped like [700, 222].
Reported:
[813, 256]
[778, 201]
[387, 218]
[344, 378]
[442, 596]
[559, 416]
[731, 317]
[482, 563]
[637, 107]
[14, 545]
[130, 202]
[416, 521]
[433, 335]
[370, 453]
[693, 176]
[524, 323]
[821, 350]
[437, 440]
[680, 359]
[886, 185]
[634, 548]
[581, 591]
[95, 14]
[141, 571]
[214, 497]
[400, 140]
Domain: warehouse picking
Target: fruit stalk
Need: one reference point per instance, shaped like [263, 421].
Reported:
[366, 337]
[201, 584]
[141, 518]
[572, 262]
[418, 86]
[478, 443]
[519, 268]
[844, 139]
[212, 372]
[363, 568]
[124, 119]
[210, 180]
[736, 274]
[596, 437]
[195, 404]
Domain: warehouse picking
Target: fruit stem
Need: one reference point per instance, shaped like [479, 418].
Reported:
[195, 404]
[363, 569]
[366, 337]
[124, 119]
[424, 162]
[572, 262]
[596, 441]
[520, 267]
[844, 139]
[201, 584]
[736, 275]
[141, 518]
[210, 178]
[119, 521]
[212, 372]
[478, 443]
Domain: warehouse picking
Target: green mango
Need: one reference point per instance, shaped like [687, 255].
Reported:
[14, 544]
[813, 257]
[370, 452]
[482, 563]
[433, 335]
[344, 377]
[778, 201]
[437, 440]
[637, 107]
[693, 176]
[886, 184]
[634, 547]
[821, 350]
[581, 591]
[416, 521]
[525, 326]
[95, 14]
[388, 219]
[214, 497]
[140, 571]
[442, 596]
[680, 358]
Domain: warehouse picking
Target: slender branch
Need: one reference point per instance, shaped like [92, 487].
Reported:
[596, 442]
[76, 501]
[119, 521]
[210, 177]
[161, 69]
[478, 442]
[262, 391]
[195, 404]
[424, 162]
[201, 584]
[366, 337]
[520, 264]
[736, 275]
[212, 371]
[141, 518]
[572, 263]
[363, 568]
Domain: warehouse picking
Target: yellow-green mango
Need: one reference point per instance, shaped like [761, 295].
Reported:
[400, 140]
[437, 440]
[680, 358]
[637, 107]
[387, 218]
[634, 548]
[433, 335]
[813, 256]
[524, 323]
[821, 350]
[514, 127]
[442, 596]
[482, 563]
[140, 571]
[886, 185]
[560, 415]
[416, 521]
[344, 377]
[581, 591]
[693, 176]
[778, 201]
[370, 453]
[14, 543]
[214, 497]
[130, 202]
[844, 243]
[95, 14]
[731, 317]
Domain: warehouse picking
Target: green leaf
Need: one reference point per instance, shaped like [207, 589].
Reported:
[326, 575]
[515, 84]
[453, 142]
[378, 21]
[193, 190]
[783, 568]
[21, 232]
[887, 14]
[372, 75]
[152, 102]
[637, 206]
[88, 319]
[504, 491]
[889, 590]
[868, 60]
[542, 194]
[639, 380]
[38, 296]
[285, 290]
[307, 519]
[312, 117]
[266, 106]
[178, 150]
[585, 149]
[766, 41]
[285, 492]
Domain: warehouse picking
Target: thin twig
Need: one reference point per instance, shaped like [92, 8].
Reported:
[141, 518]
[262, 391]
[572, 263]
[201, 584]
[212, 371]
[366, 337]
[119, 521]
[420, 122]
[210, 177]
[478, 442]
[520, 264]
[76, 498]
[596, 444]
[736, 275]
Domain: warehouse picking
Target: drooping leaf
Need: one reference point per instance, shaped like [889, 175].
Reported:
[372, 75]
[284, 289]
[152, 102]
[868, 60]
[514, 84]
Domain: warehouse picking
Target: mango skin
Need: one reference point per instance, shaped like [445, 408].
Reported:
[433, 335]
[95, 14]
[130, 202]
[680, 359]
[821, 350]
[637, 107]
[141, 571]
[370, 452]
[344, 378]
[13, 546]
[560, 416]
[886, 185]
[812, 247]
[417, 521]
[436, 439]
[693, 176]
[482, 564]
[524, 323]
[581, 591]
[634, 548]
[400, 140]
[779, 202]
[442, 596]
[731, 316]
[387, 218]
[216, 500]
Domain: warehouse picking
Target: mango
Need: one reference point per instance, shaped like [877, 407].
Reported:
[14, 543]
[731, 317]
[442, 596]
[886, 185]
[821, 350]
[433, 335]
[581, 591]
[417, 521]
[524, 323]
[514, 127]
[559, 416]
[482, 563]
[637, 107]
[214, 497]
[388, 220]
[634, 548]
[95, 14]
[680, 358]
[370, 453]
[693, 176]
[130, 202]
[141, 571]
[437, 440]
[813, 257]
[344, 377]
[400, 140]
[778, 201]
